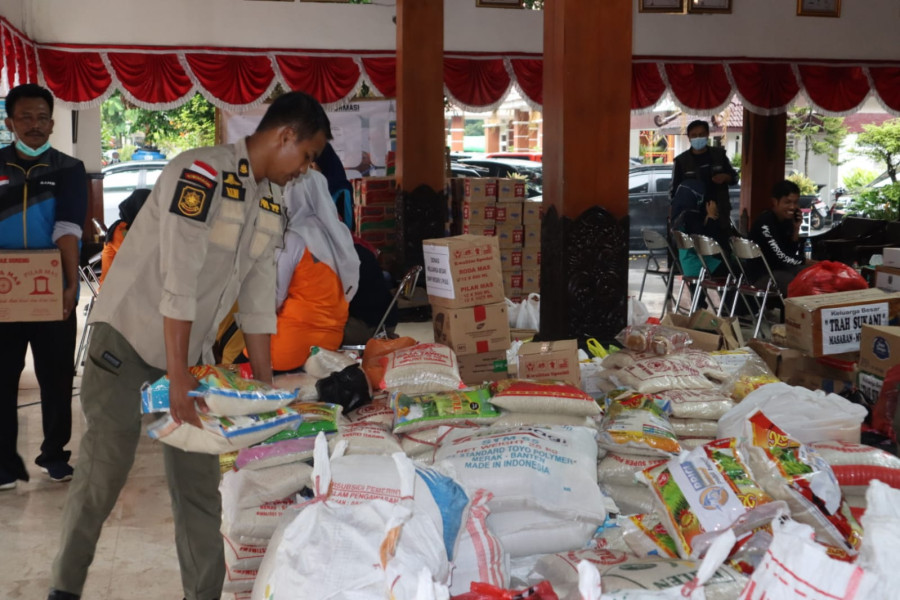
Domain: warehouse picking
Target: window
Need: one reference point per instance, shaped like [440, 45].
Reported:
[121, 180]
[639, 183]
[663, 183]
[151, 177]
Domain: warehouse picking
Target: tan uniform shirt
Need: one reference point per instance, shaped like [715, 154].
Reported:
[205, 237]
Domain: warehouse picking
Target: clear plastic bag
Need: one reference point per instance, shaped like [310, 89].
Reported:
[656, 339]
[322, 363]
[754, 374]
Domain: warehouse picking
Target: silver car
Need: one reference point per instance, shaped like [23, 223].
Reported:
[121, 179]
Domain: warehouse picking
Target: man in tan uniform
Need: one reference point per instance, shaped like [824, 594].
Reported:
[204, 239]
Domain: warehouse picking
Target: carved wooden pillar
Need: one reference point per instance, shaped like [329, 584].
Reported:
[586, 123]
[762, 161]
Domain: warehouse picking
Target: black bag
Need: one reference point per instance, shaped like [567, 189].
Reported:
[349, 388]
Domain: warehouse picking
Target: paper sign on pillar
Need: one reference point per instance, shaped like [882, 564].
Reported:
[465, 287]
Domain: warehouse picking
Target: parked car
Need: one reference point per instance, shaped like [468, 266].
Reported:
[121, 179]
[460, 170]
[148, 153]
[648, 201]
[507, 167]
[524, 155]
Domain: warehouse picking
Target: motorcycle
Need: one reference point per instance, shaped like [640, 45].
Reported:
[817, 214]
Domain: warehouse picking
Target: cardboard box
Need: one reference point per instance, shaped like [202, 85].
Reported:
[891, 257]
[480, 188]
[463, 271]
[475, 369]
[509, 235]
[887, 278]
[832, 374]
[879, 349]
[511, 259]
[31, 285]
[510, 190]
[531, 237]
[531, 281]
[550, 360]
[479, 212]
[473, 329]
[532, 212]
[728, 328]
[531, 258]
[509, 212]
[512, 283]
[377, 190]
[832, 323]
[701, 340]
[481, 230]
[781, 361]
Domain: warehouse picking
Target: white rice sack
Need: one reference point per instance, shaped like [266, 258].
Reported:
[421, 369]
[698, 404]
[663, 373]
[378, 411]
[511, 419]
[221, 435]
[610, 536]
[694, 428]
[367, 438]
[238, 580]
[480, 556]
[530, 532]
[420, 442]
[691, 443]
[249, 488]
[856, 465]
[529, 468]
[264, 456]
[522, 395]
[655, 574]
[561, 569]
[634, 424]
[303, 383]
[621, 469]
[413, 412]
[257, 523]
[630, 499]
[240, 555]
[322, 363]
[732, 361]
[261, 590]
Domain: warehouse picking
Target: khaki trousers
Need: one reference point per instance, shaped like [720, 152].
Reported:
[110, 397]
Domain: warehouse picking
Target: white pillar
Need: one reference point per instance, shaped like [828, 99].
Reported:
[82, 143]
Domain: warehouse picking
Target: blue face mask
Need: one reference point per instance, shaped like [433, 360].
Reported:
[698, 143]
[32, 152]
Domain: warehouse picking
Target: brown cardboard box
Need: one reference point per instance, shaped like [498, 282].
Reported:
[532, 212]
[510, 190]
[463, 271]
[887, 278]
[512, 283]
[832, 323]
[479, 212]
[879, 349]
[509, 235]
[701, 340]
[728, 328]
[483, 230]
[531, 258]
[480, 188]
[511, 259]
[550, 360]
[473, 329]
[531, 237]
[531, 281]
[475, 369]
[31, 285]
[377, 190]
[831, 373]
[780, 361]
[509, 212]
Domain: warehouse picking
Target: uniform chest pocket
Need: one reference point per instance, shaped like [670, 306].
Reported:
[226, 231]
[268, 231]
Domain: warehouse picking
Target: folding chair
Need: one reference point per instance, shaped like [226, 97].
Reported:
[657, 249]
[405, 290]
[89, 277]
[684, 242]
[707, 248]
[746, 250]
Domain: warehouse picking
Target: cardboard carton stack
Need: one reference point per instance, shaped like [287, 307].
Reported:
[374, 215]
[465, 288]
[31, 285]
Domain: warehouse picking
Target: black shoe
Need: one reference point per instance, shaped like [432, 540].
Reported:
[58, 595]
[59, 472]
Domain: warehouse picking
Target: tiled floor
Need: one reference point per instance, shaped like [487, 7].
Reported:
[135, 559]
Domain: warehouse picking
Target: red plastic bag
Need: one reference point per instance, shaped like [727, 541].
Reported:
[826, 277]
[484, 591]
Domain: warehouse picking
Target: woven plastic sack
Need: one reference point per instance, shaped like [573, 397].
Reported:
[375, 350]
[647, 537]
[480, 555]
[247, 488]
[522, 395]
[561, 569]
[219, 435]
[826, 277]
[629, 499]
[664, 373]
[693, 428]
[881, 544]
[367, 438]
[856, 465]
[421, 369]
[698, 404]
[622, 469]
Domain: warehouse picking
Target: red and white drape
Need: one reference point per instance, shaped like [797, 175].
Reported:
[235, 78]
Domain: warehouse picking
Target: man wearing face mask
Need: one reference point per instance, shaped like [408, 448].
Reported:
[43, 204]
[708, 164]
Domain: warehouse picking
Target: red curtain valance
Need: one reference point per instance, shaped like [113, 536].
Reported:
[235, 78]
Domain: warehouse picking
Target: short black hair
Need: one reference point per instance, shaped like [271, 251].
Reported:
[785, 188]
[697, 123]
[299, 111]
[27, 90]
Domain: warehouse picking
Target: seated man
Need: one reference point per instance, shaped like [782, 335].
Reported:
[371, 301]
[694, 213]
[777, 233]
[317, 274]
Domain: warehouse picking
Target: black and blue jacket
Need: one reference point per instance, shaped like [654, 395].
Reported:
[36, 194]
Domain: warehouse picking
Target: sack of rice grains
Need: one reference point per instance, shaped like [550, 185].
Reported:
[634, 424]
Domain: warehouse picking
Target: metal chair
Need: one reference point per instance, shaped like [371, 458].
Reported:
[684, 242]
[405, 290]
[657, 249]
[88, 275]
[707, 248]
[746, 250]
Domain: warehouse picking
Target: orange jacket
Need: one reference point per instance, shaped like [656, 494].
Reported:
[115, 239]
[313, 314]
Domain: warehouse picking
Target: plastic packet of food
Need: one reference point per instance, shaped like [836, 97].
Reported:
[421, 369]
[646, 536]
[754, 374]
[426, 411]
[634, 424]
[553, 397]
[657, 339]
[322, 363]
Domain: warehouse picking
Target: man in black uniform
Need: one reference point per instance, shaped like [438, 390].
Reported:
[777, 233]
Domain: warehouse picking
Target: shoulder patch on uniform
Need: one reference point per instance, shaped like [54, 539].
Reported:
[268, 203]
[244, 167]
[198, 178]
[191, 201]
[232, 188]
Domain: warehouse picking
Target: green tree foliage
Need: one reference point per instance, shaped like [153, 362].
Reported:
[857, 179]
[882, 144]
[816, 134]
[474, 127]
[807, 186]
[191, 125]
[878, 203]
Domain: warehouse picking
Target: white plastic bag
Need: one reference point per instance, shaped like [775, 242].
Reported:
[529, 316]
[881, 543]
[638, 314]
[512, 312]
